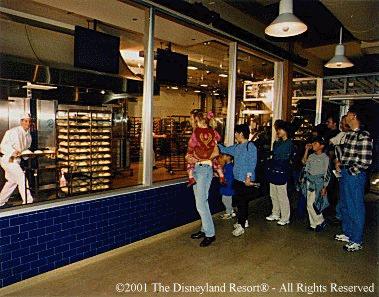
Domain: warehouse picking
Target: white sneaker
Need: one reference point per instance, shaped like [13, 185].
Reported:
[283, 223]
[246, 224]
[341, 237]
[352, 247]
[238, 231]
[272, 217]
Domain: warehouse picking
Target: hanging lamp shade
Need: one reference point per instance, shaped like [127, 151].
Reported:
[286, 24]
[339, 60]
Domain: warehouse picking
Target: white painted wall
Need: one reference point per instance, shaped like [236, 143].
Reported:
[169, 102]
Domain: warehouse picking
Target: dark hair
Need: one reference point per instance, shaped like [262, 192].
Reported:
[357, 111]
[278, 123]
[244, 129]
[321, 140]
[283, 125]
[321, 129]
[334, 119]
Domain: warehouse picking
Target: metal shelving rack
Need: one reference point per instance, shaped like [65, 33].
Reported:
[179, 132]
[134, 136]
[84, 149]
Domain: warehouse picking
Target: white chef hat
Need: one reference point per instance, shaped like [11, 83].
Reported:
[25, 116]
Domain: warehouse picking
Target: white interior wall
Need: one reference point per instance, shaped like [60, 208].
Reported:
[169, 102]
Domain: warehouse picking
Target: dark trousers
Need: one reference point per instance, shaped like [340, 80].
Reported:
[242, 196]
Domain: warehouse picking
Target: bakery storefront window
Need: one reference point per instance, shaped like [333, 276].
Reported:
[69, 127]
[199, 80]
[254, 100]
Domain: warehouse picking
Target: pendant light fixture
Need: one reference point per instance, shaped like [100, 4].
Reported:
[286, 24]
[339, 60]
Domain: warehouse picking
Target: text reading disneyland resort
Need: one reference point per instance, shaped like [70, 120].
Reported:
[252, 288]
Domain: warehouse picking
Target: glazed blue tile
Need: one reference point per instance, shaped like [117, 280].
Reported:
[29, 258]
[7, 265]
[18, 220]
[28, 226]
[10, 230]
[29, 273]
[69, 253]
[37, 232]
[37, 248]
[76, 258]
[83, 248]
[54, 243]
[11, 279]
[68, 225]
[38, 263]
[82, 207]
[54, 258]
[4, 223]
[82, 222]
[76, 244]
[53, 229]
[4, 240]
[46, 268]
[35, 217]
[46, 253]
[62, 233]
[46, 223]
[29, 242]
[45, 238]
[61, 263]
[75, 216]
[62, 248]
[19, 253]
[10, 247]
[61, 219]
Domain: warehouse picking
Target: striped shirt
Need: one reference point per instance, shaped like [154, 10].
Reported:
[357, 151]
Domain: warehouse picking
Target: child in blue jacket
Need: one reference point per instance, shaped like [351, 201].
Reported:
[226, 190]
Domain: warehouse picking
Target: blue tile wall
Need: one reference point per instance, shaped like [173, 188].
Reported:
[36, 242]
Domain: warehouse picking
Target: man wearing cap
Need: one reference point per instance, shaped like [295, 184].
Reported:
[355, 160]
[15, 141]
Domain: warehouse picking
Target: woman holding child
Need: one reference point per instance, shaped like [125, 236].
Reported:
[201, 160]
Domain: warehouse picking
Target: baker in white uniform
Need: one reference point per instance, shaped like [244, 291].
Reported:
[15, 141]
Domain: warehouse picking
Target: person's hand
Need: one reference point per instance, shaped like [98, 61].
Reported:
[191, 159]
[248, 181]
[308, 146]
[324, 192]
[16, 154]
[338, 166]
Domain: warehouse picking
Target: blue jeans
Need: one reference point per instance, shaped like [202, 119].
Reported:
[352, 205]
[227, 201]
[203, 175]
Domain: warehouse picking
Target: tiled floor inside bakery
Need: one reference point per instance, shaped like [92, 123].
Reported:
[265, 254]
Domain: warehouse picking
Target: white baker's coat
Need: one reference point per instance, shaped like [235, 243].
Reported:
[15, 139]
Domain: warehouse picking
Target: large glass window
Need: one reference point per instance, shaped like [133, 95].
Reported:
[206, 89]
[86, 125]
[254, 100]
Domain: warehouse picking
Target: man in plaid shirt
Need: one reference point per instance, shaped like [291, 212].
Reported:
[355, 160]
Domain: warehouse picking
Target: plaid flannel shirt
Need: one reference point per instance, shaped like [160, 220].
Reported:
[357, 151]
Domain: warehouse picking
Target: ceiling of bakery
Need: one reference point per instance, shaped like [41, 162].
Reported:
[206, 52]
[324, 19]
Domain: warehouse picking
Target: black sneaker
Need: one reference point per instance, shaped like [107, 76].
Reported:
[321, 227]
[207, 241]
